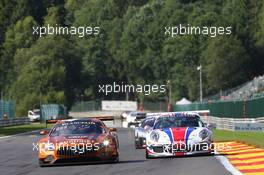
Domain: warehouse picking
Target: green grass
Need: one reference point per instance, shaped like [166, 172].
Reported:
[10, 130]
[252, 138]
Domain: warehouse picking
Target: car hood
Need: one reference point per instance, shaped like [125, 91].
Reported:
[188, 135]
[79, 138]
[179, 134]
[184, 134]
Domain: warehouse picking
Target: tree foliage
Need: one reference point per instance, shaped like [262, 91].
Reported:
[131, 48]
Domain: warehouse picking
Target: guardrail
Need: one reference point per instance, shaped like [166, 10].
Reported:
[251, 108]
[229, 123]
[14, 121]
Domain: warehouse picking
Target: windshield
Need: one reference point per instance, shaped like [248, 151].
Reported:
[174, 122]
[77, 128]
[36, 112]
[148, 122]
[137, 114]
[133, 114]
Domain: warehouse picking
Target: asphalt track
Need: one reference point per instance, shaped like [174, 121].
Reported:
[18, 158]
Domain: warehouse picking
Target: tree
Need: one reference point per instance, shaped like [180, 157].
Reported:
[6, 9]
[17, 37]
[52, 73]
[226, 63]
[258, 37]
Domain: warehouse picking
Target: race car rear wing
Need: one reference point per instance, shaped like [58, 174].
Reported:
[52, 121]
[102, 118]
[105, 118]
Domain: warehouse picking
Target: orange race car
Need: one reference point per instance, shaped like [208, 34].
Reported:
[78, 140]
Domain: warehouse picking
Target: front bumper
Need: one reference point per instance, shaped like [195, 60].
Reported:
[134, 123]
[59, 156]
[34, 118]
[169, 150]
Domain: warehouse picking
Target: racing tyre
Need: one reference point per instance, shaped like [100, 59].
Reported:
[137, 145]
[41, 164]
[116, 160]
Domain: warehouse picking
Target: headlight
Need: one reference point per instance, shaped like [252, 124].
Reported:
[203, 134]
[106, 143]
[154, 136]
[131, 119]
[49, 146]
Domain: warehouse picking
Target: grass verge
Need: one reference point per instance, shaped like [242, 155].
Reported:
[252, 138]
[11, 130]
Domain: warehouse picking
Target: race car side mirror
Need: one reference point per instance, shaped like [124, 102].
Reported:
[147, 127]
[210, 126]
[44, 132]
[112, 129]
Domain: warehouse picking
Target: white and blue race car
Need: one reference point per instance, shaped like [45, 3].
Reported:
[144, 127]
[140, 132]
[178, 134]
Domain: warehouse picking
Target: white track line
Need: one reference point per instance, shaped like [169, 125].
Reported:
[228, 166]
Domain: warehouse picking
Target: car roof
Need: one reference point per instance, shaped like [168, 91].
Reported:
[180, 114]
[137, 112]
[157, 114]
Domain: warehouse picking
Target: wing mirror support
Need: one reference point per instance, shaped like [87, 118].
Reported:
[112, 129]
[211, 126]
[44, 132]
